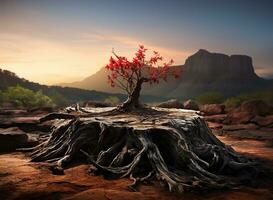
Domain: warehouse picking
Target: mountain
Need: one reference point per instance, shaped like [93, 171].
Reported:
[202, 72]
[97, 81]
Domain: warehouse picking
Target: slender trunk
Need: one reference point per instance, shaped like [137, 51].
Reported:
[132, 101]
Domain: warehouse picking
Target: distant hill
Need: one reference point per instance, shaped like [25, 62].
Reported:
[202, 72]
[64, 95]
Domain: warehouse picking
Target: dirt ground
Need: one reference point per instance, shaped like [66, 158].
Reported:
[20, 179]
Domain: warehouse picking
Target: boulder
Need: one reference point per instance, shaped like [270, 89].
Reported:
[212, 109]
[191, 105]
[256, 107]
[172, 103]
[250, 111]
[238, 117]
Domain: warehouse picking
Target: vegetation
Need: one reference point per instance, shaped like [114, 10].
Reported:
[266, 96]
[24, 98]
[130, 75]
[210, 98]
[217, 98]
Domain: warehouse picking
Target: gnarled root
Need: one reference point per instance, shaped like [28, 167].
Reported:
[182, 153]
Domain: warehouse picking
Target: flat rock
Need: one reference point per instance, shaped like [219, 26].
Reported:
[12, 138]
[237, 127]
[265, 135]
[216, 118]
[27, 124]
[212, 109]
[172, 103]
[263, 121]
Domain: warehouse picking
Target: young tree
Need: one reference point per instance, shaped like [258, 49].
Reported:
[130, 75]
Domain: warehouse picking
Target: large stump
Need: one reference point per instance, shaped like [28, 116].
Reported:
[173, 146]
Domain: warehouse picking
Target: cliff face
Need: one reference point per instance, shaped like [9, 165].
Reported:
[206, 66]
[205, 71]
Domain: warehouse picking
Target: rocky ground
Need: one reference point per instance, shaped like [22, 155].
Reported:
[20, 179]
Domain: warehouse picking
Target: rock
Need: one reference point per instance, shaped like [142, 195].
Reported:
[238, 118]
[250, 134]
[248, 111]
[12, 138]
[27, 124]
[212, 109]
[214, 125]
[191, 105]
[237, 127]
[41, 111]
[256, 107]
[263, 121]
[96, 104]
[216, 118]
[9, 112]
[172, 103]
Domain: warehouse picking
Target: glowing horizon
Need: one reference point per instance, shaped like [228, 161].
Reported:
[53, 42]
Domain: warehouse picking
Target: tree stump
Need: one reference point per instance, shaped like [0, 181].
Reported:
[173, 146]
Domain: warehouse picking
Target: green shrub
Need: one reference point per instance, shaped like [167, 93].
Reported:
[210, 98]
[25, 98]
[112, 100]
[266, 96]
[233, 101]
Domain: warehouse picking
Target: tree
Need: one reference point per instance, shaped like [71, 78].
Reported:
[130, 75]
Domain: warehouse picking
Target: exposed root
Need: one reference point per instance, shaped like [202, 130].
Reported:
[182, 153]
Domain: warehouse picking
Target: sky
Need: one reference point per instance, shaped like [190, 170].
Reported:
[55, 41]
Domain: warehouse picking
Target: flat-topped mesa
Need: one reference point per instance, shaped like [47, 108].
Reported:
[217, 65]
[242, 65]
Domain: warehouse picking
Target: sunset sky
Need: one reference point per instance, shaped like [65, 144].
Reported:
[63, 41]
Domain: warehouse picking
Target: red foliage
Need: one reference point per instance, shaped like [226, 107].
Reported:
[125, 74]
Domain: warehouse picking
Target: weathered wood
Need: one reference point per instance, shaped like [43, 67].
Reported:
[170, 145]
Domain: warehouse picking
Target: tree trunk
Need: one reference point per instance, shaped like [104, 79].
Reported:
[174, 147]
[132, 101]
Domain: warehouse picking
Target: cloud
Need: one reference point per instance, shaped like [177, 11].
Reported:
[132, 43]
[265, 72]
[38, 58]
